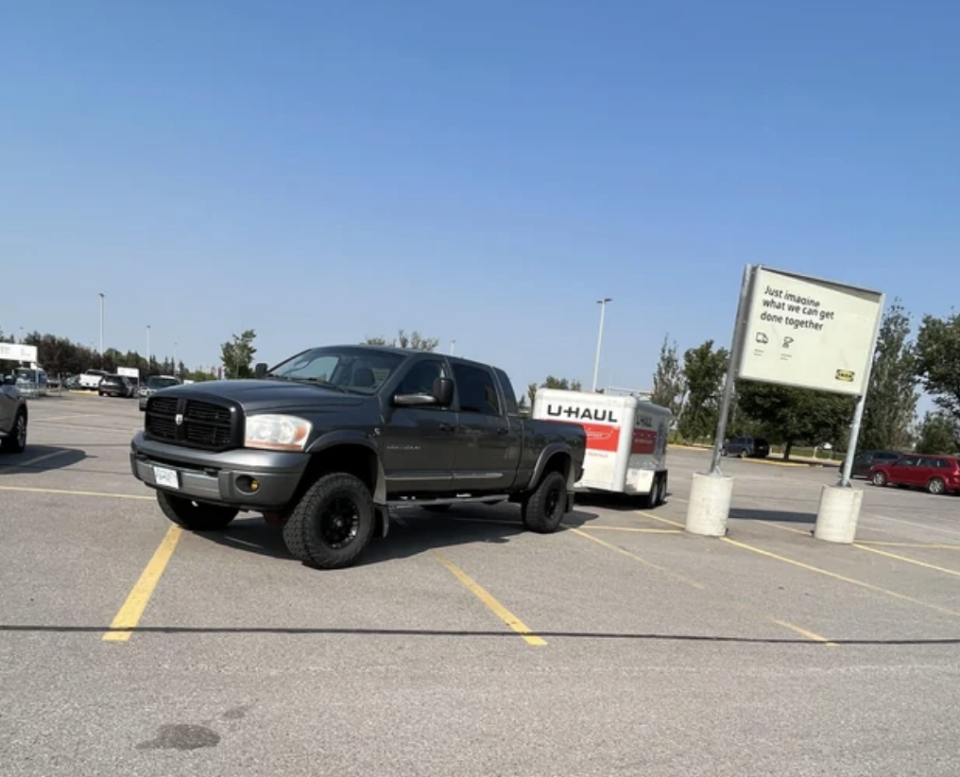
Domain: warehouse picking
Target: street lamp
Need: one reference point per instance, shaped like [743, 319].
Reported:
[148, 347]
[596, 365]
[101, 328]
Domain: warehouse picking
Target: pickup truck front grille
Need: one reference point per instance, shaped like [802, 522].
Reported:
[192, 423]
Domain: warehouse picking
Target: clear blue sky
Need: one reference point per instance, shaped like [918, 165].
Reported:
[483, 172]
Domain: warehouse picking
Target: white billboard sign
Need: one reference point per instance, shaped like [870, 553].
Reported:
[18, 353]
[128, 372]
[808, 333]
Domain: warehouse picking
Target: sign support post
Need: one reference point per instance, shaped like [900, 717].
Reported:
[801, 332]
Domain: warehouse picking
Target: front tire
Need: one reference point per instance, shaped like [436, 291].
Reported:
[332, 523]
[17, 441]
[195, 516]
[543, 511]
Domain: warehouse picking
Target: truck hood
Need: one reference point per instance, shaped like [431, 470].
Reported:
[267, 395]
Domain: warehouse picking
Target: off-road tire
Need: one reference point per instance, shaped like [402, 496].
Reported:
[937, 486]
[544, 509]
[195, 516]
[17, 441]
[879, 479]
[441, 508]
[303, 531]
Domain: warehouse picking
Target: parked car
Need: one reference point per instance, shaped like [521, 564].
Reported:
[936, 474]
[13, 416]
[754, 447]
[154, 384]
[864, 461]
[116, 386]
[327, 442]
[90, 379]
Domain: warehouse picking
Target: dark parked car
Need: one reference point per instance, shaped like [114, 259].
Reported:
[754, 447]
[13, 416]
[116, 386]
[864, 461]
[936, 474]
[327, 442]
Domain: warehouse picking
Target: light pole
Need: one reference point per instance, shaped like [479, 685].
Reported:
[101, 328]
[453, 344]
[596, 365]
[176, 366]
[148, 347]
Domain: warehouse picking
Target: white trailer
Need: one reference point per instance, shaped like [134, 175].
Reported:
[626, 440]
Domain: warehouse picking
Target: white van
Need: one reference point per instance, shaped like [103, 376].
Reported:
[626, 440]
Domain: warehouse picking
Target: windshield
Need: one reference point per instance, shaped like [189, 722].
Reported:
[159, 383]
[357, 370]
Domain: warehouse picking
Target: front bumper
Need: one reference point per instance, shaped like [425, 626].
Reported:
[218, 477]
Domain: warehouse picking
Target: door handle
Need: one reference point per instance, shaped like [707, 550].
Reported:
[447, 427]
[503, 432]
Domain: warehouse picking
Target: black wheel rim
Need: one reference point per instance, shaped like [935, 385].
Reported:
[339, 522]
[552, 502]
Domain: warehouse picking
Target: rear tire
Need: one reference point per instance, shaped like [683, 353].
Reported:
[195, 516]
[332, 523]
[879, 479]
[17, 441]
[936, 486]
[543, 511]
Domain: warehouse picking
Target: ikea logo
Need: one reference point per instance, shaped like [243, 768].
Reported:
[845, 375]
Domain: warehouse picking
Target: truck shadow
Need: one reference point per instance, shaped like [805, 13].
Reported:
[40, 458]
[416, 532]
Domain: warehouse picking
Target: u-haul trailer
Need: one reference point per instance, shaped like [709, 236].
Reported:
[626, 440]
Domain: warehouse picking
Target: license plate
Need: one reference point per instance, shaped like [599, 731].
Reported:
[166, 477]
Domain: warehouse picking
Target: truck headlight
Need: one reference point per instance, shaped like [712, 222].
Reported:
[276, 432]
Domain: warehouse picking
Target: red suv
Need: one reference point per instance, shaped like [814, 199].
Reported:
[937, 474]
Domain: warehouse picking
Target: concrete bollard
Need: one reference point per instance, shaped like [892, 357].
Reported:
[838, 514]
[709, 507]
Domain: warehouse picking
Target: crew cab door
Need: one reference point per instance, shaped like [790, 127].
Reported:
[488, 442]
[418, 442]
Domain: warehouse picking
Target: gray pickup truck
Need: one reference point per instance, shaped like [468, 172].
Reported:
[13, 416]
[326, 443]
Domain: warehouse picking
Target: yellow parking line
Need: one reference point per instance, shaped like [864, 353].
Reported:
[653, 517]
[928, 527]
[129, 615]
[628, 554]
[791, 529]
[69, 417]
[835, 576]
[73, 493]
[492, 604]
[898, 557]
[808, 634]
[635, 529]
[38, 459]
[700, 587]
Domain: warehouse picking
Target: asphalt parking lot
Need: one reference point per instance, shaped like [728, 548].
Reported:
[462, 645]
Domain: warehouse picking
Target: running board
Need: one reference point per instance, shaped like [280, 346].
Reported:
[456, 500]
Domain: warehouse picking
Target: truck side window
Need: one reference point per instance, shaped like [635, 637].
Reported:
[476, 389]
[421, 377]
[509, 398]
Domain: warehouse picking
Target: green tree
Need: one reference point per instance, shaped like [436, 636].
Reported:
[937, 433]
[237, 355]
[669, 382]
[532, 392]
[703, 371]
[788, 416]
[414, 341]
[561, 383]
[938, 361]
[522, 407]
[891, 404]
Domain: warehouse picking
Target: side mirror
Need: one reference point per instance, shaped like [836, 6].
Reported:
[442, 396]
[260, 370]
[443, 391]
